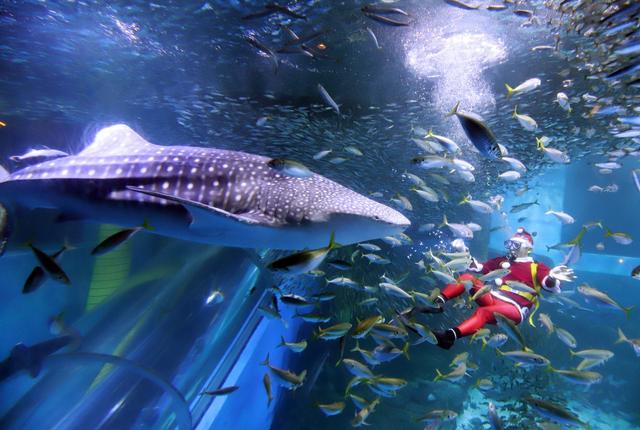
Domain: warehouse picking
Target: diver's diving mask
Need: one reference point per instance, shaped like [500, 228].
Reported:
[512, 245]
[517, 247]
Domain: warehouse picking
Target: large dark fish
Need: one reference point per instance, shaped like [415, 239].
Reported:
[478, 133]
[253, 41]
[117, 239]
[379, 9]
[37, 276]
[386, 20]
[30, 358]
[623, 71]
[221, 391]
[461, 5]
[50, 266]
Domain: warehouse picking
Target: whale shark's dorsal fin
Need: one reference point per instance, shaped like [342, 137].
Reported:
[114, 140]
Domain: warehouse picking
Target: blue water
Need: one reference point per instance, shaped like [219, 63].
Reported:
[179, 73]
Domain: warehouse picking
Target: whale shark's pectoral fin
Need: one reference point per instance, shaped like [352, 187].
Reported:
[201, 214]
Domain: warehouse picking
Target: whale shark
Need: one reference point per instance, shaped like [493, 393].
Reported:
[199, 194]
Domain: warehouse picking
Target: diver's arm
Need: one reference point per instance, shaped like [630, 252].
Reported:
[484, 268]
[475, 266]
[550, 278]
[546, 280]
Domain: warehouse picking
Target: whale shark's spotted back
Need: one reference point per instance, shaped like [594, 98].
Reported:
[235, 182]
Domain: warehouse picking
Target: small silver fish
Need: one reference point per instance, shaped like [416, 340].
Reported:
[327, 98]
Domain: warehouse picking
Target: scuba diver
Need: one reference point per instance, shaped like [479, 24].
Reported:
[513, 303]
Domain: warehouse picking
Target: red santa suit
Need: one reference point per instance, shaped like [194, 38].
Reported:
[504, 300]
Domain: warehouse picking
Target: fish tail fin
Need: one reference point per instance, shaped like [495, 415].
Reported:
[66, 246]
[357, 347]
[439, 376]
[515, 111]
[539, 144]
[303, 375]
[402, 277]
[548, 248]
[607, 232]
[627, 311]
[536, 202]
[509, 90]
[484, 344]
[444, 221]
[430, 132]
[454, 110]
[332, 241]
[498, 352]
[465, 199]
[282, 342]
[147, 226]
[621, 336]
[405, 350]
[266, 361]
[571, 352]
[525, 348]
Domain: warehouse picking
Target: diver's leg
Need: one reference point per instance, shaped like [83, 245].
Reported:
[452, 291]
[448, 337]
[484, 315]
[485, 300]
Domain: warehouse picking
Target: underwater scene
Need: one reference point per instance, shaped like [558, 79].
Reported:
[412, 214]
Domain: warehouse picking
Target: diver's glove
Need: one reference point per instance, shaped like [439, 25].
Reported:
[562, 273]
[474, 266]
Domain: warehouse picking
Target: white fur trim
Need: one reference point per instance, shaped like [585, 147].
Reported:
[524, 260]
[522, 310]
[478, 268]
[498, 281]
[505, 264]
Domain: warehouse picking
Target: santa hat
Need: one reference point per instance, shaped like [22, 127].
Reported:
[523, 234]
